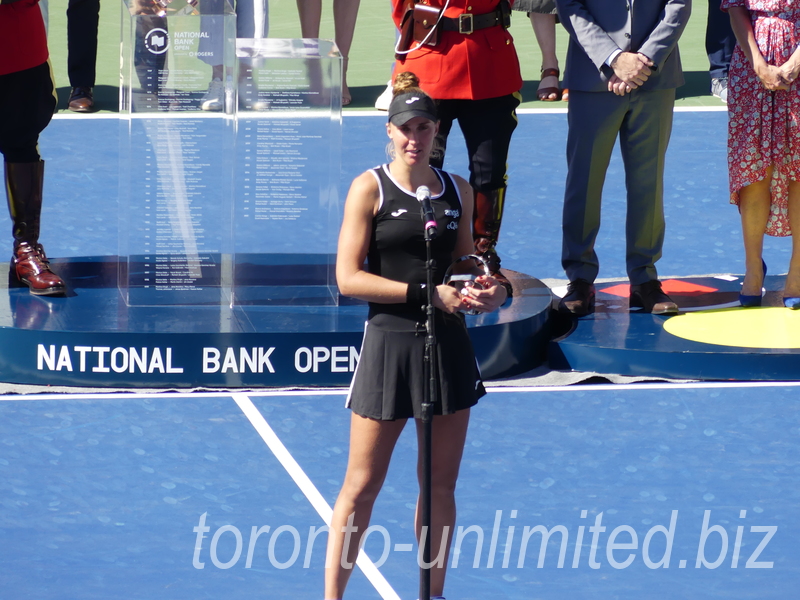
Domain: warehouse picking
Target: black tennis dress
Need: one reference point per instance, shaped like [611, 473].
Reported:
[389, 382]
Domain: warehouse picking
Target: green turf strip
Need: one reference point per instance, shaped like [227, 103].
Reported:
[371, 55]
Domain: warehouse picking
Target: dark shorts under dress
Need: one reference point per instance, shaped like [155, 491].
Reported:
[389, 382]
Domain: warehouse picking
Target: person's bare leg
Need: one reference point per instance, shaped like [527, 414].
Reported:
[792, 286]
[544, 28]
[371, 446]
[449, 435]
[345, 14]
[754, 201]
[310, 12]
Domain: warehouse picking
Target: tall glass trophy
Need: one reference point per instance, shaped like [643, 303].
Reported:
[177, 151]
[288, 154]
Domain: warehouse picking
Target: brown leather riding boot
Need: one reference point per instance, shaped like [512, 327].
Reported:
[24, 182]
[486, 219]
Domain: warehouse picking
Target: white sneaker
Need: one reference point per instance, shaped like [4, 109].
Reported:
[213, 100]
[719, 88]
[385, 99]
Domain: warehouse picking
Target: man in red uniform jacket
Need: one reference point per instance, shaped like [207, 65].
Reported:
[27, 104]
[473, 74]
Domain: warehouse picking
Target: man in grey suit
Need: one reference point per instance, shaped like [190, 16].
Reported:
[622, 70]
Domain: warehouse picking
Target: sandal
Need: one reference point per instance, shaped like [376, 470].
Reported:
[544, 93]
[565, 95]
[347, 99]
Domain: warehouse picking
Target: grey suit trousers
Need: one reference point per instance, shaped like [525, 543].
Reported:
[643, 121]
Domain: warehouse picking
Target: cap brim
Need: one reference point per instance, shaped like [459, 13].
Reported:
[405, 116]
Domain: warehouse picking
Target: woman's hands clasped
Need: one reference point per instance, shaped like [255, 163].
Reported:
[488, 296]
[779, 78]
[772, 77]
[789, 71]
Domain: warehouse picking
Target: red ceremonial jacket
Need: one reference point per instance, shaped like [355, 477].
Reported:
[23, 40]
[474, 66]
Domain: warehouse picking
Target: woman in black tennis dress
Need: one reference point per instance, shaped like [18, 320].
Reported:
[382, 225]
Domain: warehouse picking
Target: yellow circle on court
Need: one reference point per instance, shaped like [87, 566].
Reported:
[758, 327]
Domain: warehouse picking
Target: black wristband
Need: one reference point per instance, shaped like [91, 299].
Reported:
[417, 294]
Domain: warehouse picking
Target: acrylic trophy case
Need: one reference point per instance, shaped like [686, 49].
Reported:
[229, 161]
[177, 152]
[288, 149]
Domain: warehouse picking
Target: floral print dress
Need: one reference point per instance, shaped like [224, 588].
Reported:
[763, 126]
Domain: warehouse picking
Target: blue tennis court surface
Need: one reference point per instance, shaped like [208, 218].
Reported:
[635, 492]
[648, 491]
[80, 215]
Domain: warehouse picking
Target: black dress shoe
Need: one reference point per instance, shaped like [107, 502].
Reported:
[579, 299]
[81, 99]
[651, 297]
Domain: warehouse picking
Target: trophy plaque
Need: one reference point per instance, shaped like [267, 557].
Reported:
[288, 145]
[176, 151]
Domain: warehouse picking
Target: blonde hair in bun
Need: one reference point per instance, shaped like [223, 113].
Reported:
[406, 82]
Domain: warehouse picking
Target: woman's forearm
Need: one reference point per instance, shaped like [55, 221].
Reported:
[791, 67]
[370, 288]
[743, 30]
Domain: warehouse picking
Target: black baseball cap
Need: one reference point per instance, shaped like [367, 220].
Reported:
[408, 105]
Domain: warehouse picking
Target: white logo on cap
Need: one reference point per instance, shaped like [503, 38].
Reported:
[412, 100]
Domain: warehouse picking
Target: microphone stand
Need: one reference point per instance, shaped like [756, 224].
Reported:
[425, 449]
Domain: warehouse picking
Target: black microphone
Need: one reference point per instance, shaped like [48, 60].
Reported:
[428, 216]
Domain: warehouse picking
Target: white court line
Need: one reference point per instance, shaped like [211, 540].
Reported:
[309, 489]
[342, 391]
[130, 394]
[560, 110]
[613, 387]
[380, 113]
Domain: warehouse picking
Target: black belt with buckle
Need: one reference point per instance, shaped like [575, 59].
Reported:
[467, 23]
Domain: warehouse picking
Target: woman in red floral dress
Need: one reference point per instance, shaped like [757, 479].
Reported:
[764, 134]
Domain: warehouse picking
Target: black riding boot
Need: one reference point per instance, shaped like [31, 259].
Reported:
[24, 182]
[486, 220]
